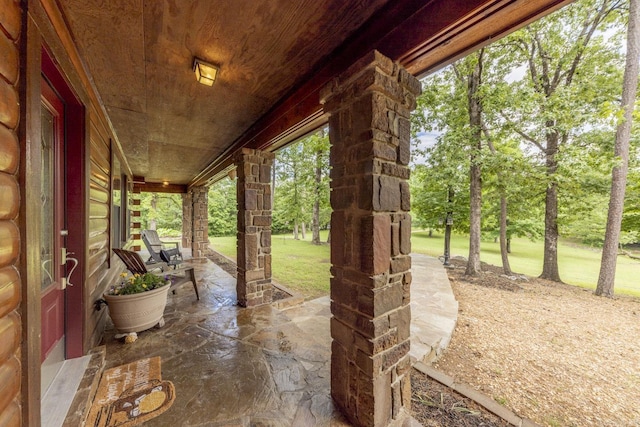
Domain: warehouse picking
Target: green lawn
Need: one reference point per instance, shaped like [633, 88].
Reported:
[296, 264]
[579, 265]
[305, 268]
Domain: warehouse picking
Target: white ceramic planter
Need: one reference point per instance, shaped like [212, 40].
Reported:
[137, 312]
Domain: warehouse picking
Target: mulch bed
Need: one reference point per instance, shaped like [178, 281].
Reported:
[223, 262]
[492, 276]
[436, 405]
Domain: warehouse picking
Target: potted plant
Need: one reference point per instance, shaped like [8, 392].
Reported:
[137, 302]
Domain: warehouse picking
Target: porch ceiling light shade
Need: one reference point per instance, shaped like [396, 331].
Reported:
[205, 73]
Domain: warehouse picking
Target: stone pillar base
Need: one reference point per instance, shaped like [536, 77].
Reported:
[254, 227]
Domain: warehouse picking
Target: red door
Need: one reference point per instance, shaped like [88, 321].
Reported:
[53, 228]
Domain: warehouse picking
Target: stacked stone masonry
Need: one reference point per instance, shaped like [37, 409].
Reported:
[254, 227]
[187, 218]
[200, 221]
[10, 280]
[369, 107]
[136, 225]
[195, 221]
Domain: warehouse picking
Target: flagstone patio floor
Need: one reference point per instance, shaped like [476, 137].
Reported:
[262, 366]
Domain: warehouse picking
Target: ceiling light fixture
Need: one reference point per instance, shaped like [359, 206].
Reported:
[205, 73]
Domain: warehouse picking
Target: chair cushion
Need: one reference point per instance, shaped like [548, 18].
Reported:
[170, 256]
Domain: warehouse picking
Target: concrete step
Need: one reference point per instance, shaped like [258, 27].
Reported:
[87, 388]
[58, 397]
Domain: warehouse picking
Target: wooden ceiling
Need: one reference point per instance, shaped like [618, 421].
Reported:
[274, 56]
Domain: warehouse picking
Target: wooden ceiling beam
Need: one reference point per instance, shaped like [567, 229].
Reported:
[422, 36]
[159, 187]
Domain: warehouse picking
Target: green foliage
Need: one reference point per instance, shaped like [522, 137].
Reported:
[631, 215]
[223, 210]
[169, 232]
[292, 197]
[551, 77]
[163, 210]
[137, 283]
[429, 199]
[296, 189]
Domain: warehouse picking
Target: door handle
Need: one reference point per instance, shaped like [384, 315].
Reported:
[67, 280]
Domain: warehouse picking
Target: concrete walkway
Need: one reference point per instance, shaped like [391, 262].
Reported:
[434, 311]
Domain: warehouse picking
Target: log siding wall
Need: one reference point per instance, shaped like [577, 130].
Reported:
[98, 273]
[10, 280]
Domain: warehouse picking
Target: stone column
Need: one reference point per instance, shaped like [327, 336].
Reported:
[254, 227]
[136, 225]
[200, 222]
[369, 129]
[187, 220]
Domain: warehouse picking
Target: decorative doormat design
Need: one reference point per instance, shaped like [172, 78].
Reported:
[131, 394]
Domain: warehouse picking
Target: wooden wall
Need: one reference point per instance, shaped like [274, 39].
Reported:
[98, 272]
[10, 281]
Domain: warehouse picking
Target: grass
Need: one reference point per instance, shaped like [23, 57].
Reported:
[579, 265]
[305, 268]
[296, 264]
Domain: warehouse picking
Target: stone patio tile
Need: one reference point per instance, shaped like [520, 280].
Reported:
[260, 366]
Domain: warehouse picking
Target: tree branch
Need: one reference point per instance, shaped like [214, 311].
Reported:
[586, 34]
[521, 133]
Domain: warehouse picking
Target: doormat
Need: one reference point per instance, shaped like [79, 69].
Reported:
[131, 394]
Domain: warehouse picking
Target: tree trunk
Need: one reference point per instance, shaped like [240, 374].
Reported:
[606, 278]
[550, 257]
[473, 265]
[503, 236]
[315, 222]
[475, 176]
[295, 230]
[304, 230]
[153, 224]
[273, 181]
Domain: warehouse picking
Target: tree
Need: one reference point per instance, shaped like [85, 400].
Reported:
[451, 103]
[163, 211]
[223, 208]
[303, 186]
[472, 73]
[318, 144]
[606, 278]
[563, 63]
[291, 202]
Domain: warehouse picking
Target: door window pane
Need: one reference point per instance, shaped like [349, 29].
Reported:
[46, 198]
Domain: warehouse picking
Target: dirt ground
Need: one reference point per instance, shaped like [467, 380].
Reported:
[550, 352]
